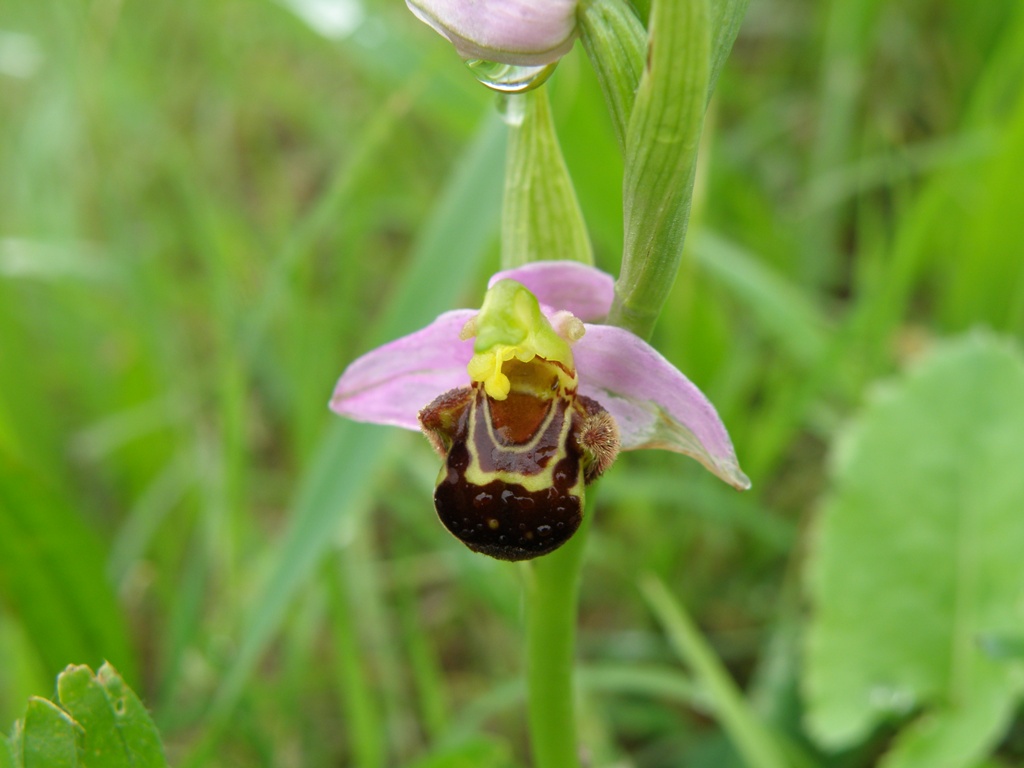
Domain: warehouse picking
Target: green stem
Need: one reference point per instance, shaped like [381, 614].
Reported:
[541, 219]
[661, 155]
[552, 590]
[615, 41]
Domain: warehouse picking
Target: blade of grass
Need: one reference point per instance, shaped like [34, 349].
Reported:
[363, 722]
[847, 40]
[780, 307]
[51, 572]
[758, 746]
[339, 481]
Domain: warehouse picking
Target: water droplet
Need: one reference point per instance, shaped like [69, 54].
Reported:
[512, 109]
[509, 78]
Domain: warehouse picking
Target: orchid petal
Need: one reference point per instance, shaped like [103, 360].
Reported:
[653, 403]
[585, 291]
[390, 384]
[523, 32]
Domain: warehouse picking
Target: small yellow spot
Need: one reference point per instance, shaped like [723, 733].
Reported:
[493, 524]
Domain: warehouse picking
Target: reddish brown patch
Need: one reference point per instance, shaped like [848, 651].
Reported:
[517, 418]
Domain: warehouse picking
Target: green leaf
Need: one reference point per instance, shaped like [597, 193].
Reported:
[726, 17]
[661, 155]
[102, 725]
[83, 698]
[47, 737]
[541, 217]
[6, 754]
[614, 39]
[118, 730]
[476, 751]
[51, 572]
[917, 561]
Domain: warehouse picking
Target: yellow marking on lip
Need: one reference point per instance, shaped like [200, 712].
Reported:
[531, 482]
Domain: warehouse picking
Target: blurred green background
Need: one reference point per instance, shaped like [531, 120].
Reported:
[207, 208]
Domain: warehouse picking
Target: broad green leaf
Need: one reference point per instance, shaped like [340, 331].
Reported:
[140, 734]
[541, 217]
[83, 698]
[117, 728]
[917, 561]
[102, 725]
[48, 737]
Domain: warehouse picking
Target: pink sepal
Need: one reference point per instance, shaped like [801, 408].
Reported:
[653, 403]
[390, 384]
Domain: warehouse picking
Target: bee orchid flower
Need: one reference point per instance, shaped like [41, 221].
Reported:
[529, 399]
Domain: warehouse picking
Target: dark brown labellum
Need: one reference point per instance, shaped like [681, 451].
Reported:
[512, 483]
[504, 519]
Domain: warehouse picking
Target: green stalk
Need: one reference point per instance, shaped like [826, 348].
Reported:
[615, 41]
[552, 591]
[657, 108]
[541, 219]
[661, 156]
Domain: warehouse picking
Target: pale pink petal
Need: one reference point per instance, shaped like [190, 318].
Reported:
[585, 291]
[390, 384]
[524, 32]
[654, 404]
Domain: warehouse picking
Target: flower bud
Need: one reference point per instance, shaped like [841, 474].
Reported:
[518, 32]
